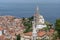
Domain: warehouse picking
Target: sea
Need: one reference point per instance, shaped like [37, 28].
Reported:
[50, 11]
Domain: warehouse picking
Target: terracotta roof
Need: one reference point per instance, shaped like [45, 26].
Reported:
[50, 32]
[28, 34]
[1, 28]
[40, 33]
[2, 37]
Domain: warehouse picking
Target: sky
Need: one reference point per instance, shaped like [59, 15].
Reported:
[29, 1]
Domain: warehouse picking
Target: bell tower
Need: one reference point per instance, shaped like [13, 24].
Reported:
[34, 22]
[38, 23]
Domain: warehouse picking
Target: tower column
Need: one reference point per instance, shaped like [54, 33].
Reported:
[34, 34]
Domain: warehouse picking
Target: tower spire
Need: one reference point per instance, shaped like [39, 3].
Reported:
[37, 9]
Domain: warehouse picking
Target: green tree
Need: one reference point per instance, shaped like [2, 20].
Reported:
[18, 37]
[31, 18]
[57, 26]
[28, 24]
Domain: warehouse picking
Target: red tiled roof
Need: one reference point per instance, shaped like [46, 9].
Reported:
[28, 34]
[1, 28]
[40, 33]
[2, 37]
[50, 32]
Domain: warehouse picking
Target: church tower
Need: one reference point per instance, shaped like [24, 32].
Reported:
[34, 23]
[39, 19]
[38, 23]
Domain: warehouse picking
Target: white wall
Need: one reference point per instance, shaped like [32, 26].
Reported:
[22, 38]
[0, 33]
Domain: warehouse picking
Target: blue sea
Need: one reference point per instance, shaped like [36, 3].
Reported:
[50, 11]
